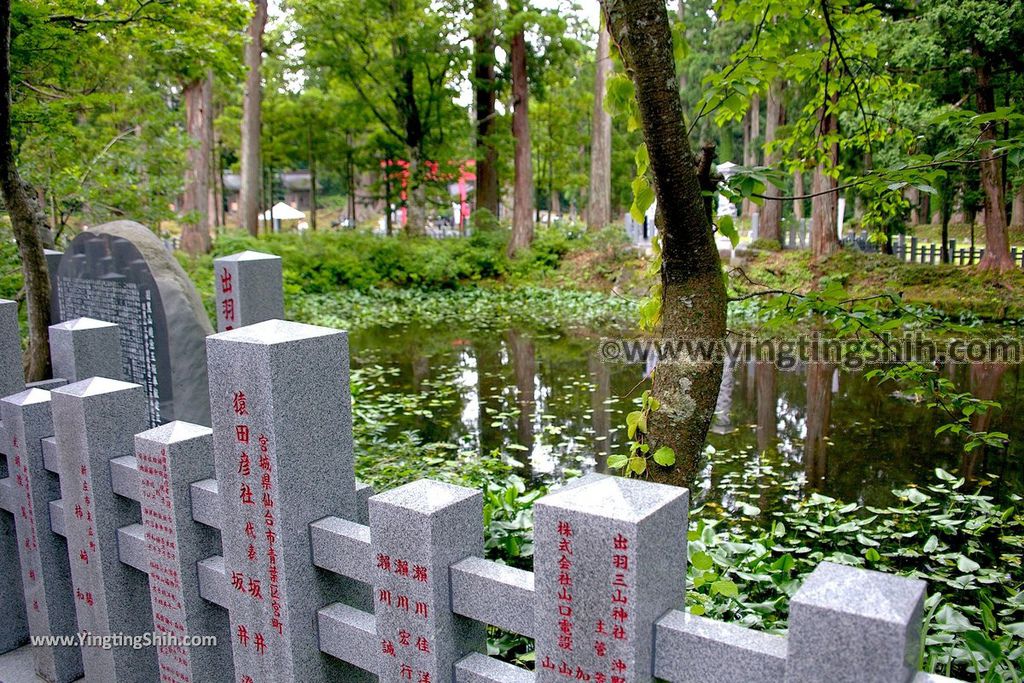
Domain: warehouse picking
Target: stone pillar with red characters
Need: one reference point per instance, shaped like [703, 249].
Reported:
[282, 435]
[609, 554]
[45, 574]
[95, 421]
[417, 532]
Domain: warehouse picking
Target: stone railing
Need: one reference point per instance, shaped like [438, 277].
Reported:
[255, 532]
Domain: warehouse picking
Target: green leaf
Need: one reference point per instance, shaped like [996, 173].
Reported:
[665, 456]
[727, 227]
[643, 198]
[872, 555]
[643, 160]
[617, 461]
[701, 560]
[725, 587]
[979, 642]
[967, 565]
[638, 464]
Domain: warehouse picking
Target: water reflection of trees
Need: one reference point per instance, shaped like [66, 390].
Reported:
[513, 385]
[819, 416]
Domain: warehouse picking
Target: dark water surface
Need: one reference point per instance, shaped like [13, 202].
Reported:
[545, 401]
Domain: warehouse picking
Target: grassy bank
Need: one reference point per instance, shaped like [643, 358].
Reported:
[953, 290]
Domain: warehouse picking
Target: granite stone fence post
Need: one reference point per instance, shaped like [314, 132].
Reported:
[299, 573]
[249, 289]
[14, 629]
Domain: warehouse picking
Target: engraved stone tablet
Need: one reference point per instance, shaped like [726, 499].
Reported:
[45, 572]
[417, 531]
[282, 431]
[249, 289]
[95, 420]
[120, 272]
[609, 561]
[170, 458]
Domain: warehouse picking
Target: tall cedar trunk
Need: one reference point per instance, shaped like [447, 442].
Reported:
[311, 160]
[28, 222]
[824, 207]
[212, 161]
[195, 232]
[249, 194]
[997, 239]
[522, 201]
[599, 210]
[1017, 214]
[415, 196]
[485, 85]
[798, 191]
[771, 213]
[913, 197]
[945, 213]
[388, 216]
[693, 290]
[825, 203]
[351, 173]
[745, 206]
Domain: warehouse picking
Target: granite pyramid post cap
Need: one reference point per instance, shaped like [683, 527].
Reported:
[82, 324]
[27, 397]
[174, 432]
[425, 496]
[94, 386]
[272, 332]
[866, 593]
[618, 498]
[248, 255]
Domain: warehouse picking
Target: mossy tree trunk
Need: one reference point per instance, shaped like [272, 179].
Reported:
[28, 222]
[693, 288]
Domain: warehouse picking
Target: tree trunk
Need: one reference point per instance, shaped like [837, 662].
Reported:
[248, 199]
[485, 85]
[195, 231]
[311, 161]
[522, 203]
[824, 207]
[599, 210]
[946, 191]
[997, 239]
[415, 196]
[913, 196]
[771, 213]
[693, 290]
[798, 191]
[388, 218]
[28, 222]
[213, 162]
[745, 206]
[1017, 214]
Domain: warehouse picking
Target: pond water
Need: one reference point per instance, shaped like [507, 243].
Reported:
[543, 401]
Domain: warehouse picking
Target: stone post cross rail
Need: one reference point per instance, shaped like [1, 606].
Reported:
[313, 578]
